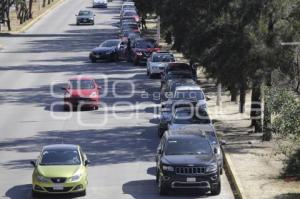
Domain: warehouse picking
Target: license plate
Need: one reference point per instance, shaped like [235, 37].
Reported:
[191, 179]
[58, 187]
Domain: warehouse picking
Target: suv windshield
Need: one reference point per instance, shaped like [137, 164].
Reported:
[172, 75]
[82, 84]
[129, 14]
[163, 58]
[144, 44]
[60, 157]
[84, 13]
[190, 94]
[188, 117]
[110, 43]
[188, 146]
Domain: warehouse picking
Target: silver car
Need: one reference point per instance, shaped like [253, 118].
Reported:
[157, 62]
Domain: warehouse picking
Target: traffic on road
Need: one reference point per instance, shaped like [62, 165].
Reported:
[123, 118]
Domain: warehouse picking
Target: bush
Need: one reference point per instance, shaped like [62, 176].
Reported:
[285, 109]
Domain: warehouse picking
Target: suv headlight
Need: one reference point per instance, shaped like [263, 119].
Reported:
[167, 168]
[93, 94]
[212, 168]
[41, 178]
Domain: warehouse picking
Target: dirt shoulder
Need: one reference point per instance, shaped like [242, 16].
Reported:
[37, 12]
[253, 163]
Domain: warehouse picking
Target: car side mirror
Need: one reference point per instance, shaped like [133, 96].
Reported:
[33, 163]
[99, 87]
[215, 150]
[86, 162]
[222, 142]
[63, 88]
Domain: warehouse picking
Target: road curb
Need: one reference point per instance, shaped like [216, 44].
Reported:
[232, 175]
[34, 20]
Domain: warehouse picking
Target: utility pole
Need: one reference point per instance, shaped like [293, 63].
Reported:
[219, 94]
[158, 29]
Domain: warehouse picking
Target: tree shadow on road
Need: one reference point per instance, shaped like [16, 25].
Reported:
[288, 196]
[147, 189]
[24, 192]
[111, 146]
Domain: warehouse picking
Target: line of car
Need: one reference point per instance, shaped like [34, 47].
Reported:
[189, 155]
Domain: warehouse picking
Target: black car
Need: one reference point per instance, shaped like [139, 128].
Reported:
[108, 50]
[85, 17]
[187, 162]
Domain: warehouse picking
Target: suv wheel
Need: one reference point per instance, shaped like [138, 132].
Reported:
[216, 190]
[162, 188]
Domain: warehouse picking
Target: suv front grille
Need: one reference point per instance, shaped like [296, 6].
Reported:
[190, 170]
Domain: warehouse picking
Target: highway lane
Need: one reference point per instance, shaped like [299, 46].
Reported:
[120, 140]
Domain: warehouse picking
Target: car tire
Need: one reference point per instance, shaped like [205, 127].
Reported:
[216, 190]
[115, 58]
[35, 194]
[136, 62]
[162, 188]
[67, 107]
[83, 193]
[96, 107]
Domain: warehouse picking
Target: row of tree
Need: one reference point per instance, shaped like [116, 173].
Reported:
[238, 42]
[22, 7]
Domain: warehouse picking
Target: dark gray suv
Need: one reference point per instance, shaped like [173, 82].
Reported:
[187, 162]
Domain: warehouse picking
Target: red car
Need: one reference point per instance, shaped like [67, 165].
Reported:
[81, 91]
[142, 49]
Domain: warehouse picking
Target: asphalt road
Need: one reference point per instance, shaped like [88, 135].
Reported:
[119, 139]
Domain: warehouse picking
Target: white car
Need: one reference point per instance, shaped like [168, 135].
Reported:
[99, 3]
[191, 92]
[157, 62]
